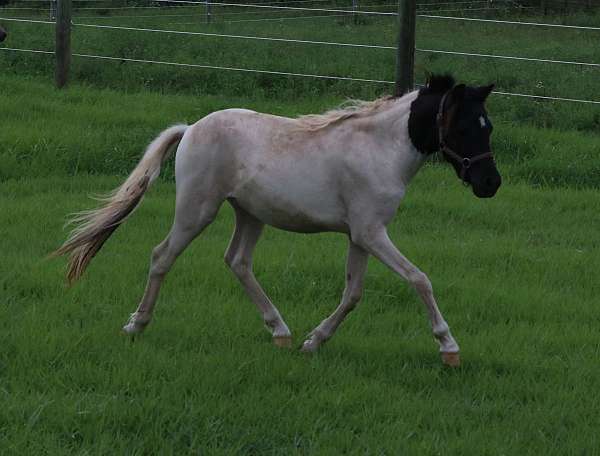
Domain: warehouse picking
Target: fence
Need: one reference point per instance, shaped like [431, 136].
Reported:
[407, 15]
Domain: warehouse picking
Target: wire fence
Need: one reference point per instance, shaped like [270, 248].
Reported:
[338, 13]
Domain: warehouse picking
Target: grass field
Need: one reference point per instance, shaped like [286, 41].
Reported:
[521, 296]
[515, 276]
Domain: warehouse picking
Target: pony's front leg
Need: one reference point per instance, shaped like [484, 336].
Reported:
[377, 243]
[356, 266]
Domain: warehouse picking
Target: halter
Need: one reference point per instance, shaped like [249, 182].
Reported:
[464, 162]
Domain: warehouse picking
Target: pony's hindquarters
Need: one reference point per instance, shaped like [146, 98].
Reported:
[199, 196]
[211, 160]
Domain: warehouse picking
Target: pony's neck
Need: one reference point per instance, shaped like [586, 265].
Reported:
[393, 124]
[422, 123]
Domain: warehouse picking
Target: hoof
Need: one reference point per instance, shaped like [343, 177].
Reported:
[310, 345]
[451, 359]
[283, 341]
[134, 326]
[132, 329]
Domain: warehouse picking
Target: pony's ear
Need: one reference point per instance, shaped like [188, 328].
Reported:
[439, 83]
[457, 94]
[484, 91]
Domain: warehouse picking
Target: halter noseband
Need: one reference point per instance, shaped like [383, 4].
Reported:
[464, 162]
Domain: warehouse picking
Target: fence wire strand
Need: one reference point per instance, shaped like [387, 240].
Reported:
[291, 8]
[338, 44]
[497, 21]
[280, 73]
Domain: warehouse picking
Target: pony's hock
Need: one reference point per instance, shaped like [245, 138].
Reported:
[344, 171]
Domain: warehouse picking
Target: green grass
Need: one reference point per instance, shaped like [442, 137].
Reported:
[520, 294]
[515, 276]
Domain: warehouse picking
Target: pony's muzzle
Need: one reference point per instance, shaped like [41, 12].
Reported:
[487, 186]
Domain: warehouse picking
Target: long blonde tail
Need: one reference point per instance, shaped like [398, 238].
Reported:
[94, 227]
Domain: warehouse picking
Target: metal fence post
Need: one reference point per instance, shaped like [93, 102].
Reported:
[405, 57]
[63, 42]
[355, 8]
[208, 18]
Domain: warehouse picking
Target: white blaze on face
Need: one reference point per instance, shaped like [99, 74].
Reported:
[482, 121]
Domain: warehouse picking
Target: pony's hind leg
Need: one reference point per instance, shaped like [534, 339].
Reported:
[191, 217]
[239, 259]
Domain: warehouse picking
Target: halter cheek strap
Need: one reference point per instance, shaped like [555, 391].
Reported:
[464, 162]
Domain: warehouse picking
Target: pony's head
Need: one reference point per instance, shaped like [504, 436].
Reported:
[464, 131]
[461, 131]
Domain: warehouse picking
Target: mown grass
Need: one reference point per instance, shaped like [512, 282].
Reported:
[515, 276]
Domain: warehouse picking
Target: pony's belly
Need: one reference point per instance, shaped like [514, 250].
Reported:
[302, 215]
[299, 222]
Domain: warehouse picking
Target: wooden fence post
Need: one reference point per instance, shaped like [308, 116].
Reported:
[63, 42]
[405, 57]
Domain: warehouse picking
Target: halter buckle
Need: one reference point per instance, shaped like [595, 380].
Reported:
[466, 162]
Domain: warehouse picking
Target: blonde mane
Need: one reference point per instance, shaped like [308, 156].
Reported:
[347, 110]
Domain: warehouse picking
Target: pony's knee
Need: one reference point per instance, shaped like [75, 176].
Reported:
[421, 282]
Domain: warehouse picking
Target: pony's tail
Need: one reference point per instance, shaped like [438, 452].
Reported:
[94, 227]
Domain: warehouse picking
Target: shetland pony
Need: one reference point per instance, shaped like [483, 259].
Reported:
[344, 171]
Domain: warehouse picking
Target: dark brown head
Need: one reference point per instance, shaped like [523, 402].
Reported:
[452, 119]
